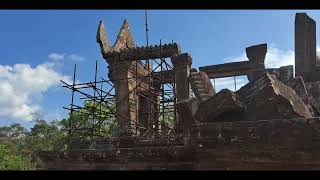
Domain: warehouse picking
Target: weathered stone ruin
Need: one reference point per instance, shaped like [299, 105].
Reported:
[268, 98]
[123, 59]
[270, 123]
[253, 68]
[305, 48]
[224, 106]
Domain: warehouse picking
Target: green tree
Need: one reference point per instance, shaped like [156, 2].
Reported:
[11, 161]
[17, 144]
[90, 123]
[46, 136]
[15, 153]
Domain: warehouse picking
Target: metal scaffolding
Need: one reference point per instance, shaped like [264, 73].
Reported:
[99, 105]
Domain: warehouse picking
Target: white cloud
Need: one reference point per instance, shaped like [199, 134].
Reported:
[56, 56]
[23, 85]
[64, 56]
[278, 57]
[75, 57]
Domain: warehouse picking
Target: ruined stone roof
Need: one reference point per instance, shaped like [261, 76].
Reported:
[124, 39]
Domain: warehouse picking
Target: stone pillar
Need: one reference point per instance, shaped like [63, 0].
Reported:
[187, 110]
[256, 55]
[127, 78]
[182, 65]
[305, 47]
[144, 112]
[119, 73]
[148, 111]
[286, 73]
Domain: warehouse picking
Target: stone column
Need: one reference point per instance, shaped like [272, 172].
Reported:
[182, 65]
[144, 112]
[305, 47]
[119, 73]
[256, 55]
[148, 111]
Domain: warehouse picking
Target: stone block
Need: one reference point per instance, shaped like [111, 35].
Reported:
[313, 89]
[224, 106]
[268, 98]
[186, 111]
[297, 84]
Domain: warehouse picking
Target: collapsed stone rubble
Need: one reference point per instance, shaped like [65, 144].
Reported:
[263, 99]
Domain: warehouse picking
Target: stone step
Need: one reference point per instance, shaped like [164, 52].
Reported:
[198, 81]
[201, 85]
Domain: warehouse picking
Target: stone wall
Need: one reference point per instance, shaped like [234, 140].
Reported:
[274, 145]
[268, 145]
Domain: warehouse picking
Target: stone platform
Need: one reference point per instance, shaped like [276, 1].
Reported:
[292, 144]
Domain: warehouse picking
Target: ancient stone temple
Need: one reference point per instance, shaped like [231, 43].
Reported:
[126, 72]
[272, 122]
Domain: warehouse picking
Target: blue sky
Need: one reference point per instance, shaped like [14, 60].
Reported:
[44, 44]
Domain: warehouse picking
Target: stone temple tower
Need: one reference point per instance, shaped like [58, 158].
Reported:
[305, 48]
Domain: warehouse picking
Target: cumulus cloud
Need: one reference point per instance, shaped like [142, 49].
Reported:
[23, 85]
[275, 58]
[75, 57]
[65, 56]
[56, 56]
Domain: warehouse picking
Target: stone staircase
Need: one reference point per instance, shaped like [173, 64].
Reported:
[201, 85]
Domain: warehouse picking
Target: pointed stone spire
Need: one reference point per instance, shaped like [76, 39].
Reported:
[102, 39]
[124, 38]
[125, 22]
